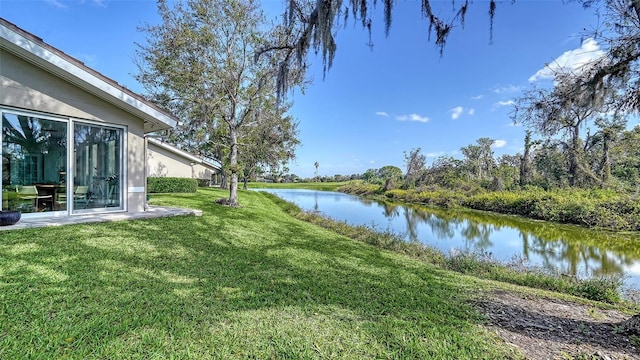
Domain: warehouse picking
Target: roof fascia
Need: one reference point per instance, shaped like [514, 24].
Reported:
[38, 54]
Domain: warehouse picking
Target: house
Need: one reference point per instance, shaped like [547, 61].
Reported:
[72, 140]
[166, 160]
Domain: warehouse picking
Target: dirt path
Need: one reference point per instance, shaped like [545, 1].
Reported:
[555, 329]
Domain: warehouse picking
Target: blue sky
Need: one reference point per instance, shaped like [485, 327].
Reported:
[374, 104]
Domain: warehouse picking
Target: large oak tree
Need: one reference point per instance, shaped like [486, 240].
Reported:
[200, 63]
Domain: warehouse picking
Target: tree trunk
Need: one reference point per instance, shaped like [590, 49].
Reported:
[223, 180]
[525, 163]
[606, 162]
[573, 157]
[525, 169]
[233, 165]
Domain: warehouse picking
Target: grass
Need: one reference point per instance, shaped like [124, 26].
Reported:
[248, 282]
[323, 186]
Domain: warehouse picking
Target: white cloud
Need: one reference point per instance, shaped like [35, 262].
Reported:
[506, 89]
[498, 144]
[477, 97]
[503, 103]
[456, 112]
[571, 60]
[382, 113]
[101, 3]
[471, 111]
[412, 117]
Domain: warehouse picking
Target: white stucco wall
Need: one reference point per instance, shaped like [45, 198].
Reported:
[164, 163]
[28, 87]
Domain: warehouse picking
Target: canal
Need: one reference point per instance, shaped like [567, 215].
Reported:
[561, 248]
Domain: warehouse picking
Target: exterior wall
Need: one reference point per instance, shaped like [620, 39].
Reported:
[164, 163]
[28, 87]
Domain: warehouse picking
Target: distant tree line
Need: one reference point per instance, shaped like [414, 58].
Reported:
[608, 158]
[292, 178]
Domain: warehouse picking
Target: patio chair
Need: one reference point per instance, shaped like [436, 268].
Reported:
[30, 192]
[80, 196]
[61, 199]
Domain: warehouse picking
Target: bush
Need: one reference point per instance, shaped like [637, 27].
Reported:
[360, 188]
[591, 208]
[204, 182]
[171, 185]
[484, 265]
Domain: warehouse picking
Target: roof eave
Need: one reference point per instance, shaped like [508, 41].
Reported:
[82, 77]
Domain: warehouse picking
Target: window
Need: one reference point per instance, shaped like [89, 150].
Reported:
[37, 156]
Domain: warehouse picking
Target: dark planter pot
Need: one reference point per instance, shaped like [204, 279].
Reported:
[9, 217]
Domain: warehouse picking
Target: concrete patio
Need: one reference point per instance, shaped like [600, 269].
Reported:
[152, 212]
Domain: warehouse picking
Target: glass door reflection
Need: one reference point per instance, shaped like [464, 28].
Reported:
[98, 167]
[34, 163]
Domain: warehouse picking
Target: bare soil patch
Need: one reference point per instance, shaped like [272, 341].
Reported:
[545, 328]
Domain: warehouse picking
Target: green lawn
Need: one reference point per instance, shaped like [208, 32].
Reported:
[324, 186]
[248, 282]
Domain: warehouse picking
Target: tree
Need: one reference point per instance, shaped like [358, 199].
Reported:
[267, 145]
[525, 163]
[598, 147]
[415, 162]
[479, 158]
[486, 156]
[199, 63]
[446, 172]
[507, 170]
[563, 110]
[388, 176]
[550, 164]
[625, 159]
[619, 68]
[472, 161]
[313, 24]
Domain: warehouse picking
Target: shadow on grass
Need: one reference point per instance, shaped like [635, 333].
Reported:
[235, 283]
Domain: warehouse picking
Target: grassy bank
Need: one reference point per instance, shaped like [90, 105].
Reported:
[323, 186]
[592, 208]
[250, 282]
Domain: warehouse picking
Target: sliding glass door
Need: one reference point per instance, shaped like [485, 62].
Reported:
[37, 156]
[34, 163]
[97, 175]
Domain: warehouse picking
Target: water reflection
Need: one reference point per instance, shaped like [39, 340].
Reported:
[569, 249]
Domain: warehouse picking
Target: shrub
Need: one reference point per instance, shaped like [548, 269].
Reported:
[484, 265]
[171, 185]
[603, 289]
[360, 188]
[203, 182]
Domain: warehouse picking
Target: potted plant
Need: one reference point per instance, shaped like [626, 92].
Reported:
[9, 217]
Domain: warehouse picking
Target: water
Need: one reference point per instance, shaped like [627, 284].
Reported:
[568, 249]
